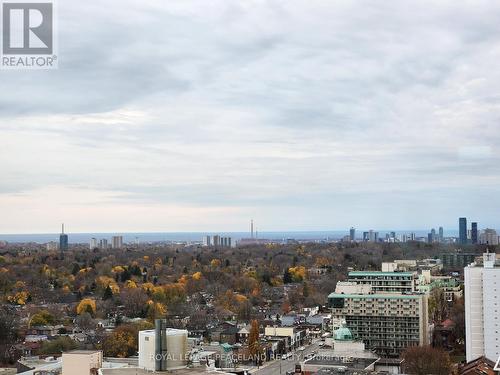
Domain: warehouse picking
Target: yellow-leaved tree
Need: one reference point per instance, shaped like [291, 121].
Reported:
[86, 305]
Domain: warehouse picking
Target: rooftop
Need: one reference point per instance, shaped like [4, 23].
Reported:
[82, 352]
[344, 371]
[138, 371]
[350, 363]
[170, 331]
[376, 296]
[343, 334]
[488, 260]
[380, 273]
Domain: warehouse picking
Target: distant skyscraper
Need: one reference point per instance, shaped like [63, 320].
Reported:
[219, 241]
[473, 234]
[433, 235]
[251, 229]
[93, 243]
[462, 230]
[352, 234]
[117, 242]
[216, 240]
[103, 244]
[207, 241]
[441, 234]
[63, 240]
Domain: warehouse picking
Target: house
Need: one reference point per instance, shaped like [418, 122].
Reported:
[224, 333]
[243, 334]
[47, 330]
[480, 366]
[229, 335]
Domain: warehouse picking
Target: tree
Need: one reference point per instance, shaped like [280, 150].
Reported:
[425, 360]
[297, 273]
[457, 314]
[8, 334]
[287, 277]
[76, 268]
[125, 275]
[156, 310]
[122, 343]
[254, 346]
[57, 346]
[42, 318]
[85, 321]
[86, 305]
[438, 308]
[134, 302]
[108, 293]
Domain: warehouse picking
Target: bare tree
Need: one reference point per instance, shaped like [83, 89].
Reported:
[426, 360]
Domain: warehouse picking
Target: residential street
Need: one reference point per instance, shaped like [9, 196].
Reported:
[279, 366]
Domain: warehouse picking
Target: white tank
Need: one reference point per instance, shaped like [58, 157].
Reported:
[177, 348]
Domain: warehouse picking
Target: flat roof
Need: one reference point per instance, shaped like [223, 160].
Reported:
[200, 370]
[170, 331]
[82, 352]
[378, 296]
[353, 363]
[379, 273]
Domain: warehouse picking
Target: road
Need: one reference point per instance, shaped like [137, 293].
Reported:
[279, 366]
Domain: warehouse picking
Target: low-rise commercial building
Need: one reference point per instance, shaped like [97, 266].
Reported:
[296, 336]
[81, 362]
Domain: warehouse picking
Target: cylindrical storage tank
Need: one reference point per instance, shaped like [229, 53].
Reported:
[177, 348]
[147, 352]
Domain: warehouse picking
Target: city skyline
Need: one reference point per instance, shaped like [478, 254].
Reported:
[355, 231]
[463, 235]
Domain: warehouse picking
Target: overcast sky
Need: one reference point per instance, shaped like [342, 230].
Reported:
[199, 115]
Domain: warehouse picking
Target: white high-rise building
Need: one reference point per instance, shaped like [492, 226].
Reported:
[489, 237]
[482, 308]
[52, 245]
[93, 243]
[117, 242]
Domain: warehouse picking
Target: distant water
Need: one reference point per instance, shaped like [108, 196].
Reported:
[198, 236]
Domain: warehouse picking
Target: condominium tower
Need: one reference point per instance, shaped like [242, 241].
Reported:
[482, 308]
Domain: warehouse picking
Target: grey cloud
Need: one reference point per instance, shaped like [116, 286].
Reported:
[307, 104]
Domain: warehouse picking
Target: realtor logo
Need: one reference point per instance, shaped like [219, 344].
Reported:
[28, 35]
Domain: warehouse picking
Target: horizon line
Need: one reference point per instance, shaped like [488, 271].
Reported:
[231, 231]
